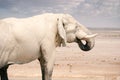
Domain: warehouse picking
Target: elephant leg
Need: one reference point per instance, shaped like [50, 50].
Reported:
[47, 62]
[46, 73]
[46, 68]
[3, 72]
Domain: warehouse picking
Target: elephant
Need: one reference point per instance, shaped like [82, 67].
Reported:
[23, 40]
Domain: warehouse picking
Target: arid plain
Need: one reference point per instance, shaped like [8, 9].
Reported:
[101, 63]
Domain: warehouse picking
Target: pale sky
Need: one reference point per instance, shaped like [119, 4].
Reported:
[92, 13]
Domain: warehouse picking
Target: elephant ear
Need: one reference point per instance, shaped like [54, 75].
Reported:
[61, 32]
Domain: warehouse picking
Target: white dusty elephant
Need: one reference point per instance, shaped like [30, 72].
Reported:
[27, 39]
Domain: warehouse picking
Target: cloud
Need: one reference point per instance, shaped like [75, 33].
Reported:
[84, 7]
[81, 9]
[33, 7]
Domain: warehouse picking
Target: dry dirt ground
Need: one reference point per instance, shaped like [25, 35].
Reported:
[101, 63]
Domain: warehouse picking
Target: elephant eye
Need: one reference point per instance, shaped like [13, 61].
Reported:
[63, 24]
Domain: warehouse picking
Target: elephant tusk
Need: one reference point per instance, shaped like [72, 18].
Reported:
[83, 36]
[90, 36]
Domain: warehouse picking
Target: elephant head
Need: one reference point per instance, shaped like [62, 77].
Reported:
[71, 30]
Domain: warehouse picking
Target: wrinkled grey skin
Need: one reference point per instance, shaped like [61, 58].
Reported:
[28, 39]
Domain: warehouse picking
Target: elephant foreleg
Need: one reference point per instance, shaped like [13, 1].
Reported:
[46, 69]
[3, 73]
[47, 59]
[47, 62]
[46, 73]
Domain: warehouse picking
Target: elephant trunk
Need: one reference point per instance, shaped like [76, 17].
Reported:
[89, 44]
[89, 40]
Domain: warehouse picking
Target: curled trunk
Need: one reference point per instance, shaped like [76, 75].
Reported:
[89, 44]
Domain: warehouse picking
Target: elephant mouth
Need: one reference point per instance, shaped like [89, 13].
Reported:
[83, 45]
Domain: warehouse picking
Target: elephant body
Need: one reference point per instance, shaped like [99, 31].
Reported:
[24, 40]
